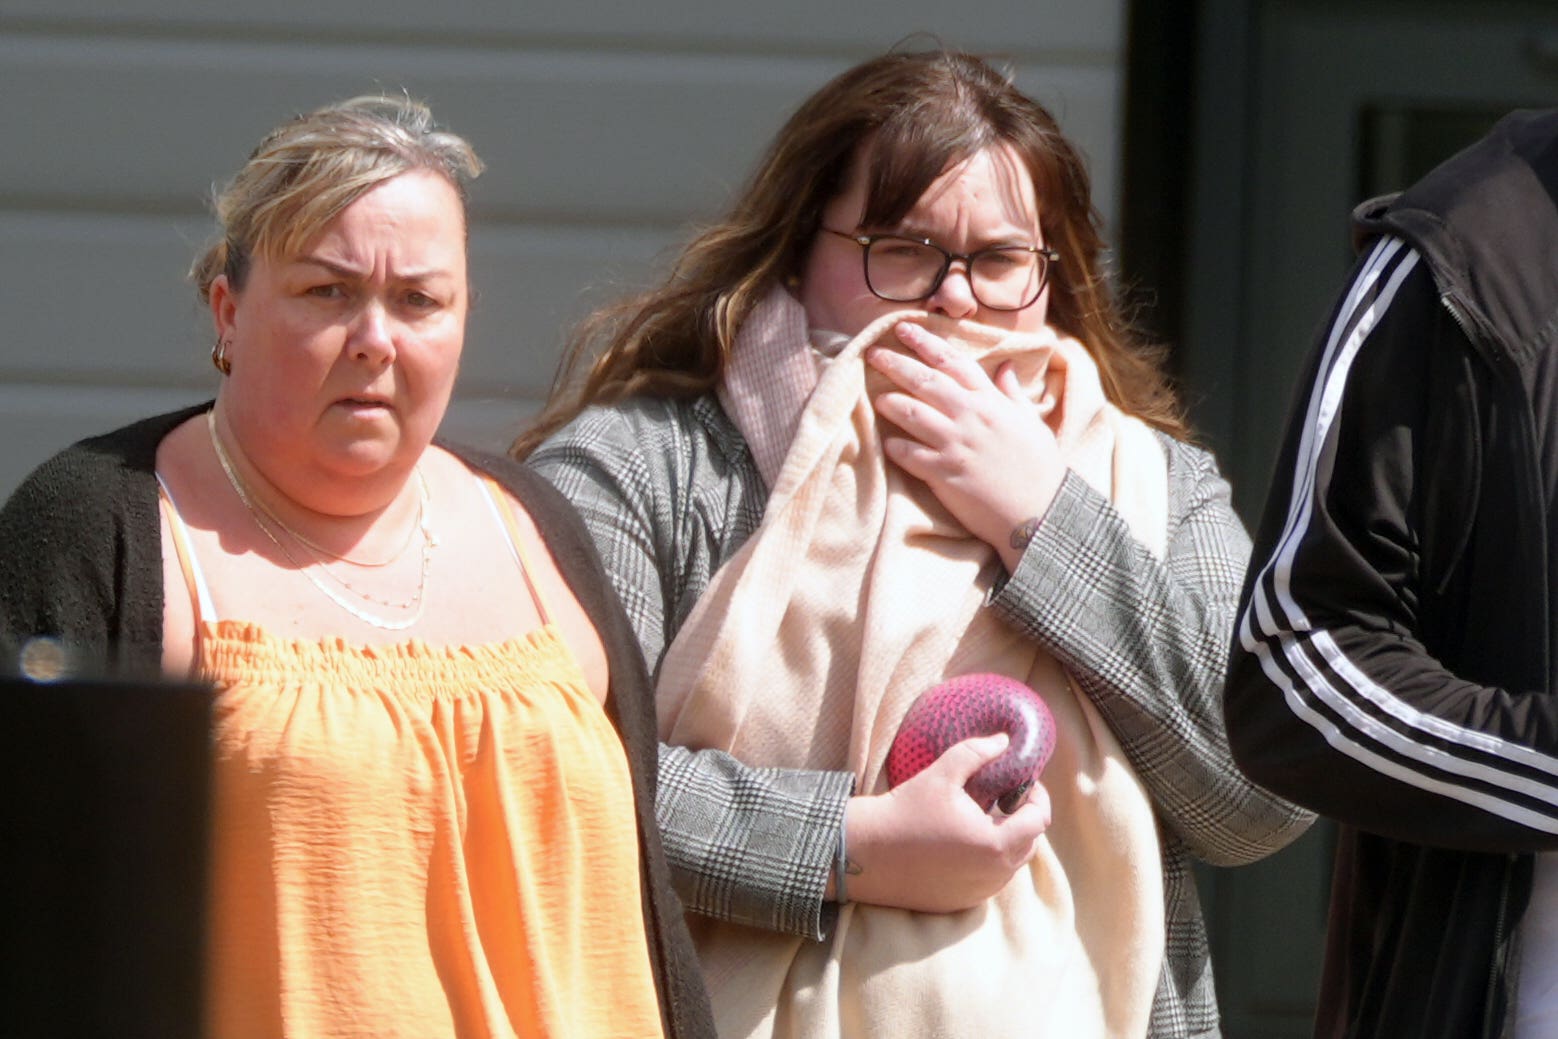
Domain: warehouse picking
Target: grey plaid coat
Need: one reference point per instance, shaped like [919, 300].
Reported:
[669, 491]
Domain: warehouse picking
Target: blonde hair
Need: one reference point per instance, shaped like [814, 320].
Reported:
[310, 168]
[907, 117]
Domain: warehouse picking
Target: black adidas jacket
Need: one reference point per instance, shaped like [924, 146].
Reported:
[1393, 666]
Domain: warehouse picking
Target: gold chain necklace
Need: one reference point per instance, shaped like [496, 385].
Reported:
[367, 564]
[260, 514]
[321, 551]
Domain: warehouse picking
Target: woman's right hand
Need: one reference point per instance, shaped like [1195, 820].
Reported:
[925, 845]
[965, 433]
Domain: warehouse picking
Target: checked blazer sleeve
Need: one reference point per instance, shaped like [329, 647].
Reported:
[1147, 641]
[668, 492]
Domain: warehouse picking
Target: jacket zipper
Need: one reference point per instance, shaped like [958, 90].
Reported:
[1468, 329]
[1500, 965]
[1500, 960]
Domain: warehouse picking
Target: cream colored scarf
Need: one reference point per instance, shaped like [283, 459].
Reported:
[857, 592]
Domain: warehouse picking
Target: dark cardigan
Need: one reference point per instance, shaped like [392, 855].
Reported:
[81, 560]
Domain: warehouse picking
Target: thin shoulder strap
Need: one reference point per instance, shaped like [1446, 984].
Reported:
[194, 579]
[503, 509]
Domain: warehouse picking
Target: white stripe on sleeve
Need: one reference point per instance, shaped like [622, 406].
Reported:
[1310, 668]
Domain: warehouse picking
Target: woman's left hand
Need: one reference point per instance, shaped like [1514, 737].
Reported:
[980, 444]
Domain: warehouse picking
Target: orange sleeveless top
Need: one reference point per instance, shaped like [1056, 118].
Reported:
[415, 840]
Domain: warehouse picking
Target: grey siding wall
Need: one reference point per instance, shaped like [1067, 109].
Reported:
[608, 127]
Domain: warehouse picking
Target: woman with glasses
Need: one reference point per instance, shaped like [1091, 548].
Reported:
[883, 424]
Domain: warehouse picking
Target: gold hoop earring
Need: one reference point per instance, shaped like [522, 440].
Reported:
[219, 357]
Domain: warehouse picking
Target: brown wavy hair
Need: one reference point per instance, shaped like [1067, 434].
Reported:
[910, 116]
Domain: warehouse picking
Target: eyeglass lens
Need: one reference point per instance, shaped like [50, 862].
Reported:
[905, 270]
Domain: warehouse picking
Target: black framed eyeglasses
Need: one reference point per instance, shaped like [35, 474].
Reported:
[904, 269]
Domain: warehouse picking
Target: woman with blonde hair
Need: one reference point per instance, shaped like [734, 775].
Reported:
[432, 782]
[883, 424]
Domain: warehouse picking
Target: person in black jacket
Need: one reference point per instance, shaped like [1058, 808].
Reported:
[1394, 662]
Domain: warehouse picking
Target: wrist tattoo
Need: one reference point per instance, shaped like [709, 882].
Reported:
[1024, 531]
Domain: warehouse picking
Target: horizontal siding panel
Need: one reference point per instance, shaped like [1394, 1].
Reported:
[574, 137]
[92, 297]
[38, 420]
[488, 422]
[532, 286]
[97, 294]
[799, 25]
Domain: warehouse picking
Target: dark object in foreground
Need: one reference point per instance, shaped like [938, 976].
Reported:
[104, 856]
[978, 705]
